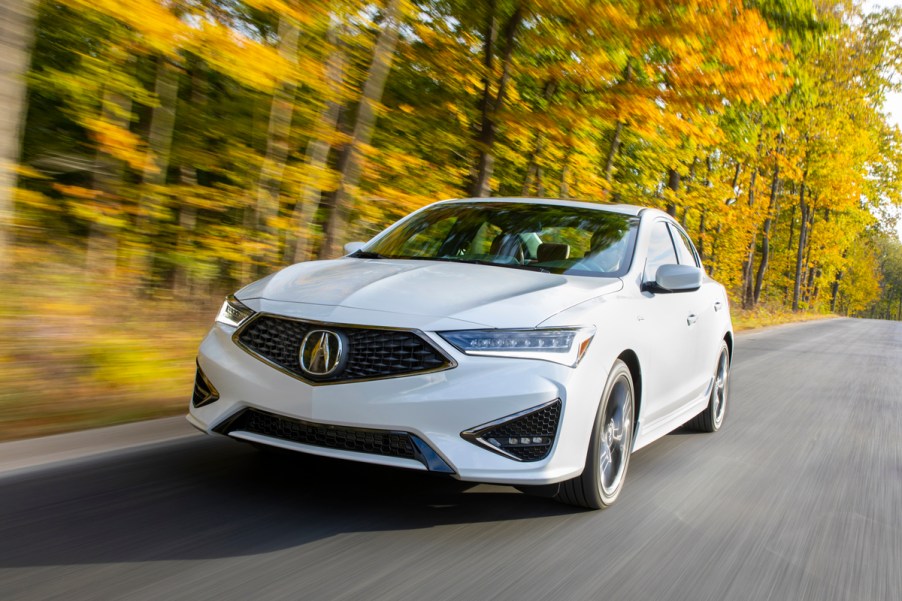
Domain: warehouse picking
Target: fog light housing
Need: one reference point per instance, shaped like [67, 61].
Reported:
[525, 436]
[204, 391]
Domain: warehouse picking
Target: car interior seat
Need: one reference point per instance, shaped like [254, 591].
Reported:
[549, 251]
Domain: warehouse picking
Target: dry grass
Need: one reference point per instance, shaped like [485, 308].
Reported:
[762, 317]
[78, 355]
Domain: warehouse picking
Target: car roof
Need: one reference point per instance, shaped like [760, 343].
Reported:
[623, 209]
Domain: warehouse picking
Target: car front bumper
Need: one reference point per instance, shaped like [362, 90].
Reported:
[435, 408]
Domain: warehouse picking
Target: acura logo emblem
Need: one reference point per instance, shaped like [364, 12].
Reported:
[322, 353]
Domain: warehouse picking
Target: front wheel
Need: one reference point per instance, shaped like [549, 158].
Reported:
[711, 418]
[609, 448]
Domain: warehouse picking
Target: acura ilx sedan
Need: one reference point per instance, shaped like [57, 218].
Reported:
[535, 343]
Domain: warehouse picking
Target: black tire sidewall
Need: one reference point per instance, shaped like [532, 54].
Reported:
[591, 476]
[712, 408]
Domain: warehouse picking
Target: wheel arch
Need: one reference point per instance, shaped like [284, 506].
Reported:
[631, 360]
[728, 338]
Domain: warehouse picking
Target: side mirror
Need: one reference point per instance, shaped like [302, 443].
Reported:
[352, 247]
[677, 278]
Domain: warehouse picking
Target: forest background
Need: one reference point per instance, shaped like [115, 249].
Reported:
[158, 154]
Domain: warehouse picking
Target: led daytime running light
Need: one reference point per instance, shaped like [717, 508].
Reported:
[559, 345]
[550, 341]
[233, 312]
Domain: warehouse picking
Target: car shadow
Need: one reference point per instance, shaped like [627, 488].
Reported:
[204, 498]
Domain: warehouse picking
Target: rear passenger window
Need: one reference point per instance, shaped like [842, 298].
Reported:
[660, 250]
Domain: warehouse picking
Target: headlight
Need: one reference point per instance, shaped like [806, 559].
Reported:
[560, 345]
[233, 312]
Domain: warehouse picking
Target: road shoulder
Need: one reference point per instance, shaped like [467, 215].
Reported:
[21, 455]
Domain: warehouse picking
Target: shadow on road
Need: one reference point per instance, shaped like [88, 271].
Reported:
[207, 498]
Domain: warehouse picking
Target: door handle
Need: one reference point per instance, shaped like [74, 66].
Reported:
[691, 319]
[718, 306]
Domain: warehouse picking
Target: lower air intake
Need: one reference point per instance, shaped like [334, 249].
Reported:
[526, 436]
[389, 443]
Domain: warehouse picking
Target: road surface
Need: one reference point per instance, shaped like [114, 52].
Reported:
[798, 497]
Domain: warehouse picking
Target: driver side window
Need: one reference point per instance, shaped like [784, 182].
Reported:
[660, 250]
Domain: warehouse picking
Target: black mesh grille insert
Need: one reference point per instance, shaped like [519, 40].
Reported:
[528, 437]
[372, 353]
[376, 442]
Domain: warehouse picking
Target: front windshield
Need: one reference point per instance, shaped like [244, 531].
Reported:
[549, 238]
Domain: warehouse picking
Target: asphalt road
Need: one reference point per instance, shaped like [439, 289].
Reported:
[798, 497]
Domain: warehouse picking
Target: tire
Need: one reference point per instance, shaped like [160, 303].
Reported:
[609, 449]
[711, 418]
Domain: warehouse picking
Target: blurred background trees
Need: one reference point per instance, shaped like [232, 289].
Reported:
[190, 145]
[15, 39]
[177, 149]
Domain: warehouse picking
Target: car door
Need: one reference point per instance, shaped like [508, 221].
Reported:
[709, 303]
[672, 358]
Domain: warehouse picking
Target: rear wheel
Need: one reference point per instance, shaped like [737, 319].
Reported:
[711, 418]
[609, 448]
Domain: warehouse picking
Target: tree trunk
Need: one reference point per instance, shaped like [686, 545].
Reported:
[701, 235]
[834, 290]
[749, 264]
[673, 182]
[15, 42]
[533, 170]
[491, 104]
[350, 165]
[102, 248]
[688, 185]
[808, 269]
[618, 128]
[277, 138]
[533, 177]
[532, 166]
[159, 139]
[564, 190]
[612, 151]
[184, 242]
[765, 235]
[736, 173]
[792, 227]
[181, 280]
[162, 124]
[317, 154]
[800, 254]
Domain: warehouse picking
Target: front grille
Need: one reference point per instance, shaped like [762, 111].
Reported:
[204, 392]
[526, 437]
[376, 442]
[372, 352]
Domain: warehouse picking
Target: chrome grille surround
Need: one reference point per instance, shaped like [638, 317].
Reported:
[374, 352]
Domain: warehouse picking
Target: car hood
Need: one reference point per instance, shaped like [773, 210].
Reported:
[480, 294]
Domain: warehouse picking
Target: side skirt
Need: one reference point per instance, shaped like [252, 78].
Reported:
[649, 433]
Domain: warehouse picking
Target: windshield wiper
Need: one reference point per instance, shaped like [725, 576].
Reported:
[480, 262]
[508, 265]
[522, 266]
[365, 254]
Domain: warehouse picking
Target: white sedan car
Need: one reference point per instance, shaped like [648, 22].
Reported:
[528, 342]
